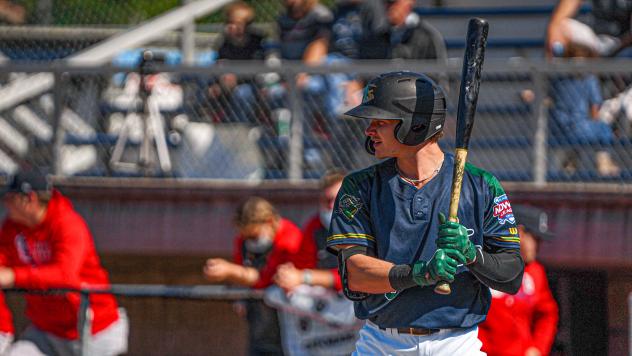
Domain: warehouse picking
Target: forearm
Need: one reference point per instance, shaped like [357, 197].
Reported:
[244, 276]
[318, 277]
[565, 9]
[368, 274]
[501, 271]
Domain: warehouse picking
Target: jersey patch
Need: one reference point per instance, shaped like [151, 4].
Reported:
[349, 206]
[502, 210]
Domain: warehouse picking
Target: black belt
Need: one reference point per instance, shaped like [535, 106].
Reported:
[415, 331]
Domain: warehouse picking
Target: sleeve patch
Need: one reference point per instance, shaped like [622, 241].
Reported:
[502, 210]
[349, 206]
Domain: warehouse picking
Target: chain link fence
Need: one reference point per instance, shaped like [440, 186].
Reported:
[242, 121]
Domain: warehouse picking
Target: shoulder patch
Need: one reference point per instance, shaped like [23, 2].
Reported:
[349, 206]
[502, 210]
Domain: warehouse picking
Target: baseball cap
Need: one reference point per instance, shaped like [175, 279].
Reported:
[26, 182]
[534, 220]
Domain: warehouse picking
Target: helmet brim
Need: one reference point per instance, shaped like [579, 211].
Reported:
[371, 112]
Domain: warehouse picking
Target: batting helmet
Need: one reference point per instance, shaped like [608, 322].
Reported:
[412, 98]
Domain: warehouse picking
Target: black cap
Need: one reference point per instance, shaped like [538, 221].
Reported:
[534, 220]
[26, 182]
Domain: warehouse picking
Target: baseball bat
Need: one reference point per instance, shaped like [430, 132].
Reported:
[477, 30]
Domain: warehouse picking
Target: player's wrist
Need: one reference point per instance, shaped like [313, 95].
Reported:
[401, 277]
[308, 277]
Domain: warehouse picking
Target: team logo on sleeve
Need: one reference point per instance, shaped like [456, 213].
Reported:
[502, 210]
[349, 206]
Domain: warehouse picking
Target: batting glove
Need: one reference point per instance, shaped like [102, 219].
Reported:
[441, 267]
[453, 236]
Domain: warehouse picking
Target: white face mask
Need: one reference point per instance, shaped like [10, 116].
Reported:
[259, 245]
[325, 217]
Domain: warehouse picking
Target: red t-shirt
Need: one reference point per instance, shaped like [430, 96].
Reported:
[517, 322]
[312, 228]
[58, 253]
[285, 248]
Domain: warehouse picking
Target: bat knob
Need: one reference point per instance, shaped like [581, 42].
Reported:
[443, 288]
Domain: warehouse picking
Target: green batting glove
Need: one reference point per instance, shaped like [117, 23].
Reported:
[441, 267]
[453, 236]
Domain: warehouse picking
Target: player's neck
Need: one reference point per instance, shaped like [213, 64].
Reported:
[422, 164]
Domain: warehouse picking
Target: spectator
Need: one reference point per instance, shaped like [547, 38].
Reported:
[405, 36]
[524, 324]
[7, 331]
[576, 102]
[44, 243]
[265, 242]
[303, 326]
[236, 99]
[314, 241]
[609, 19]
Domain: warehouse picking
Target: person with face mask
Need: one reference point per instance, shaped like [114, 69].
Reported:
[265, 241]
[524, 324]
[310, 301]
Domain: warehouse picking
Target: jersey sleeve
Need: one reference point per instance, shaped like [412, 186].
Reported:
[350, 223]
[499, 228]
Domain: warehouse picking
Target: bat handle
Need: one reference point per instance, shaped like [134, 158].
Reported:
[443, 288]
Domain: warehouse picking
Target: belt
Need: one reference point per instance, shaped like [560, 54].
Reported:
[412, 331]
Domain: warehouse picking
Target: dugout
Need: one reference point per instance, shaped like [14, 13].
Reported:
[161, 231]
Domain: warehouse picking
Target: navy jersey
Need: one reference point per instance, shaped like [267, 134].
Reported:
[377, 209]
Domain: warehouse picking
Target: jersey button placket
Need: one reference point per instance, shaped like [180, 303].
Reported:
[418, 208]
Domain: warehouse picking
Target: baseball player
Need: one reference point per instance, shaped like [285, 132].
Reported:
[392, 239]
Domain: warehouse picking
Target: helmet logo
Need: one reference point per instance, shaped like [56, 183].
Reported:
[368, 93]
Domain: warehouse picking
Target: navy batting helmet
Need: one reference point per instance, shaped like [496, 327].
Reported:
[412, 98]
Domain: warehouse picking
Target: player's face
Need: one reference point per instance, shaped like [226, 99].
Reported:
[382, 133]
[528, 245]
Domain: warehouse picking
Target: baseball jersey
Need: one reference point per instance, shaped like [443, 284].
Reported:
[57, 253]
[517, 322]
[377, 209]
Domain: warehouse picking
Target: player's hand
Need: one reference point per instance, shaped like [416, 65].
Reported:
[288, 277]
[7, 277]
[453, 236]
[441, 267]
[217, 270]
[532, 351]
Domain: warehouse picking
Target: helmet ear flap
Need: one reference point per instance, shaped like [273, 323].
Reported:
[397, 133]
[368, 146]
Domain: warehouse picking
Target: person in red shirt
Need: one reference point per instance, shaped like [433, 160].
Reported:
[265, 241]
[524, 324]
[6, 326]
[44, 243]
[315, 235]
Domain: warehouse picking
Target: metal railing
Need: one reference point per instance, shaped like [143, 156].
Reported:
[513, 136]
[196, 292]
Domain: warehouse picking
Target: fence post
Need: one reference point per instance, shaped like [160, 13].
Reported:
[188, 39]
[58, 131]
[541, 128]
[295, 147]
[84, 322]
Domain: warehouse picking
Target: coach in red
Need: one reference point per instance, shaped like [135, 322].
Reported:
[524, 324]
[44, 243]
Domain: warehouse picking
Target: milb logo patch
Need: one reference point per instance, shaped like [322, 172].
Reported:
[502, 210]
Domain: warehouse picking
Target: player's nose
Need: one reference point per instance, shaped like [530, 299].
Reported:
[370, 130]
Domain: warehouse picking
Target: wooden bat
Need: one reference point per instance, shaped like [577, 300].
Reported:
[468, 95]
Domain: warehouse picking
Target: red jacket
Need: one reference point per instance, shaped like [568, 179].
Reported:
[286, 248]
[517, 322]
[313, 228]
[6, 318]
[58, 253]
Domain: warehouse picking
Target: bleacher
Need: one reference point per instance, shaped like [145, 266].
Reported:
[503, 137]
